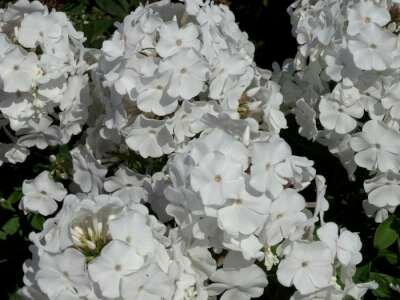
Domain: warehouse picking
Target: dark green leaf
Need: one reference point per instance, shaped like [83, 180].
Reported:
[36, 221]
[362, 273]
[15, 196]
[3, 235]
[384, 290]
[391, 257]
[95, 32]
[385, 235]
[11, 226]
[112, 8]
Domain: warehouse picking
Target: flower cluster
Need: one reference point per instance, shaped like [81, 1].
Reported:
[168, 65]
[343, 89]
[177, 79]
[234, 209]
[43, 81]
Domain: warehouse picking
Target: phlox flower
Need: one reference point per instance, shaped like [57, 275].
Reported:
[377, 147]
[307, 266]
[41, 194]
[116, 261]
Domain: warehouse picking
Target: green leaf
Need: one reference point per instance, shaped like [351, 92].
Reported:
[362, 273]
[36, 221]
[14, 198]
[385, 235]
[112, 8]
[14, 296]
[391, 257]
[3, 235]
[124, 4]
[11, 226]
[384, 290]
[95, 33]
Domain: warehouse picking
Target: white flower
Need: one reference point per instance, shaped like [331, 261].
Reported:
[346, 245]
[116, 261]
[265, 157]
[151, 138]
[148, 283]
[391, 100]
[132, 228]
[228, 65]
[337, 113]
[220, 141]
[378, 147]
[188, 71]
[173, 38]
[88, 173]
[307, 267]
[18, 70]
[152, 96]
[245, 213]
[373, 49]
[285, 217]
[64, 272]
[384, 190]
[41, 194]
[127, 185]
[38, 29]
[239, 284]
[366, 13]
[217, 178]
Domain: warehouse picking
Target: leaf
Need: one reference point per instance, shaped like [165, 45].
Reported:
[124, 4]
[11, 226]
[362, 273]
[385, 235]
[95, 31]
[384, 290]
[14, 198]
[112, 8]
[37, 221]
[391, 257]
[3, 235]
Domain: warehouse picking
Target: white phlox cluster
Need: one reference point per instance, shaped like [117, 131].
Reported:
[169, 64]
[43, 79]
[343, 88]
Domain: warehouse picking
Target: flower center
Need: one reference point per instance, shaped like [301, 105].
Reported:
[183, 70]
[90, 236]
[118, 268]
[179, 42]
[217, 178]
[304, 264]
[238, 201]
